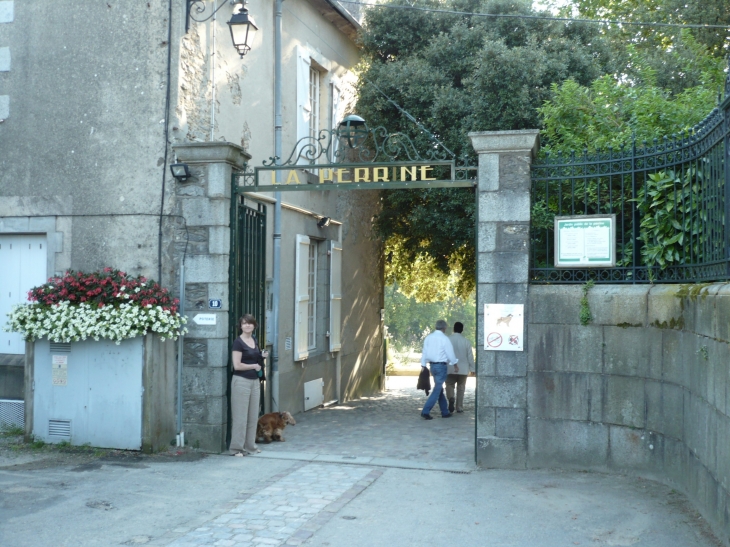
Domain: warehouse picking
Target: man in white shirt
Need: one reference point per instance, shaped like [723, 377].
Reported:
[457, 375]
[438, 351]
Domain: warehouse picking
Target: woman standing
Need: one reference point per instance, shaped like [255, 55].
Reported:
[247, 359]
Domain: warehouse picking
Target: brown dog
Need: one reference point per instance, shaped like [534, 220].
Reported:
[271, 426]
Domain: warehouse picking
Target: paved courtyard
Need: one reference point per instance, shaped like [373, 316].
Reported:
[366, 473]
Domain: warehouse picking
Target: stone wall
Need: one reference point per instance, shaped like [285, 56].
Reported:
[642, 389]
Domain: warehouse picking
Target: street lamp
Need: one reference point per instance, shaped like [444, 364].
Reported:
[353, 128]
[243, 29]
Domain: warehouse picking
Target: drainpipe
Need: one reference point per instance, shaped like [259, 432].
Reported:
[180, 348]
[276, 284]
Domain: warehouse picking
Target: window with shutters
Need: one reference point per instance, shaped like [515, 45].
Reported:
[312, 293]
[314, 79]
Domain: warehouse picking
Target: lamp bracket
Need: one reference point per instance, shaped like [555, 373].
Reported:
[199, 7]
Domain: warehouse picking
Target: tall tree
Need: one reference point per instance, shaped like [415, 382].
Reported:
[456, 74]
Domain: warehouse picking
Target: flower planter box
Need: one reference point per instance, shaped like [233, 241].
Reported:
[102, 393]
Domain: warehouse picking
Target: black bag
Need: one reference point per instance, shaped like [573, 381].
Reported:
[424, 380]
[260, 373]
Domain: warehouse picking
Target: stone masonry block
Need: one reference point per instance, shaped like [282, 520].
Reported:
[204, 381]
[207, 269]
[512, 293]
[486, 421]
[633, 352]
[219, 291]
[653, 393]
[196, 297]
[702, 308]
[193, 240]
[672, 418]
[678, 356]
[17, 224]
[488, 172]
[503, 267]
[635, 449]
[496, 453]
[503, 392]
[219, 241]
[205, 410]
[195, 352]
[553, 304]
[486, 362]
[206, 437]
[699, 367]
[219, 180]
[206, 212]
[504, 206]
[511, 363]
[564, 396]
[514, 172]
[722, 313]
[717, 377]
[486, 294]
[665, 309]
[511, 423]
[512, 237]
[565, 348]
[218, 352]
[624, 305]
[623, 403]
[560, 443]
[487, 241]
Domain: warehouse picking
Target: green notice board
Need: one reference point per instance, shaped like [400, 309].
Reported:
[586, 241]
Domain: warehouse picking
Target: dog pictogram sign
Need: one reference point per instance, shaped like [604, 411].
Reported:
[504, 323]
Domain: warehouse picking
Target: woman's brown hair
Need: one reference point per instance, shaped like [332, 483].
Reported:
[247, 318]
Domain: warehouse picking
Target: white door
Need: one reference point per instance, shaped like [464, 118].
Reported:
[22, 267]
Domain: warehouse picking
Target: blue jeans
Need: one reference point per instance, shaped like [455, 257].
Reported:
[439, 373]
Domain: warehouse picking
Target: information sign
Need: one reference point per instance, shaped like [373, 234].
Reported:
[59, 370]
[585, 241]
[504, 327]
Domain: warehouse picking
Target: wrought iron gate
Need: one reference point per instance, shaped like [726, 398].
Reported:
[248, 278]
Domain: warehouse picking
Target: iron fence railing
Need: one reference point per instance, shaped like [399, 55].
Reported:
[669, 198]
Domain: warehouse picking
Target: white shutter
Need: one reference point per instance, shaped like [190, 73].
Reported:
[22, 267]
[303, 104]
[335, 295]
[337, 103]
[301, 299]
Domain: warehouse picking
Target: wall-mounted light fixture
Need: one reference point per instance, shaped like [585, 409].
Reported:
[180, 171]
[323, 222]
[243, 28]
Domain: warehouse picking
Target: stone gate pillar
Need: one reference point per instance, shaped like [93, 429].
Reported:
[205, 202]
[503, 241]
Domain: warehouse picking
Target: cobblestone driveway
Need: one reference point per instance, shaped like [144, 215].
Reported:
[385, 427]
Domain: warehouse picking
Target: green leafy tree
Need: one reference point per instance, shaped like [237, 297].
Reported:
[456, 74]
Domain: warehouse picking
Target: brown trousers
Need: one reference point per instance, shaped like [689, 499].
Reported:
[460, 381]
[245, 396]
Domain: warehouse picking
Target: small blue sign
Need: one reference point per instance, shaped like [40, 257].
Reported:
[215, 304]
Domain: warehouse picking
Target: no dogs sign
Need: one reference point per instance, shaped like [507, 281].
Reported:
[504, 326]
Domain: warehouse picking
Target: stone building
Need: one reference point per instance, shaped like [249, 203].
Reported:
[98, 99]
